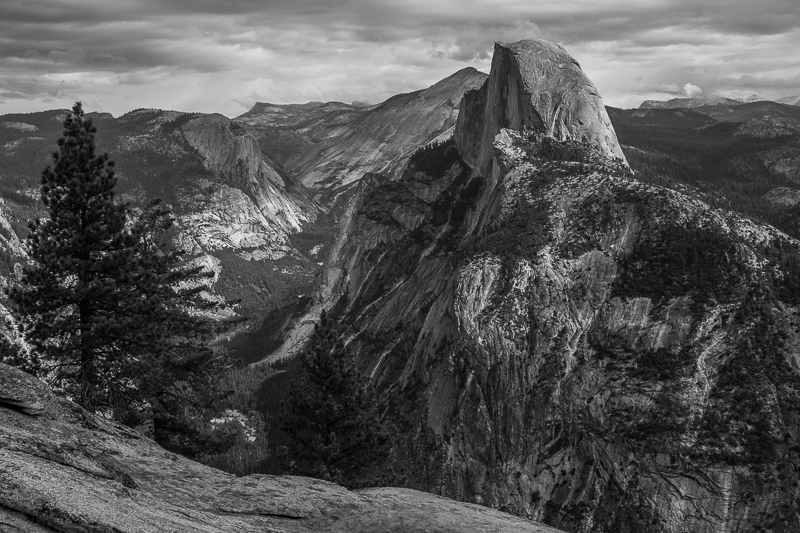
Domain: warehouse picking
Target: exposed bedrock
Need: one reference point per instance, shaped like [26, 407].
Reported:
[533, 85]
[564, 342]
[65, 470]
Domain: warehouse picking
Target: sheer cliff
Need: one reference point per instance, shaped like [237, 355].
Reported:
[329, 147]
[563, 342]
[533, 85]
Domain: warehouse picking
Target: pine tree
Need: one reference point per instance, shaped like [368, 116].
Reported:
[121, 323]
[333, 415]
[12, 352]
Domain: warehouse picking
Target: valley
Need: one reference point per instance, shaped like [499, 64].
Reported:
[580, 315]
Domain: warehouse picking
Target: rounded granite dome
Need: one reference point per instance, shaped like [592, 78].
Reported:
[534, 85]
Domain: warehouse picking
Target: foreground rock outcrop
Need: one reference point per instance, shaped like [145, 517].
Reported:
[63, 469]
[563, 342]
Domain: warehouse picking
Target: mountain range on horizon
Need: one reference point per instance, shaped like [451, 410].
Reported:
[701, 101]
[584, 316]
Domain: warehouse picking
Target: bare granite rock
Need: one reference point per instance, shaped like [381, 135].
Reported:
[783, 196]
[230, 200]
[533, 85]
[570, 344]
[19, 392]
[63, 469]
[341, 143]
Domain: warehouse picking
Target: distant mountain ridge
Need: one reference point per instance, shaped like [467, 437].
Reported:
[329, 146]
[758, 118]
[252, 195]
[791, 100]
[714, 100]
[690, 102]
[232, 205]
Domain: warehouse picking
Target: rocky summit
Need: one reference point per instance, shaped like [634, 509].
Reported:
[566, 343]
[65, 470]
[329, 147]
[533, 84]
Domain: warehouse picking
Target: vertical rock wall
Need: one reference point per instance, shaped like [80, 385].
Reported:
[566, 343]
[533, 85]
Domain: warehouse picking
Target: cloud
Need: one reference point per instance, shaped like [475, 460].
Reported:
[690, 90]
[476, 41]
[669, 87]
[214, 55]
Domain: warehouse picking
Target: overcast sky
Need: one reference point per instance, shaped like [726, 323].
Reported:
[225, 55]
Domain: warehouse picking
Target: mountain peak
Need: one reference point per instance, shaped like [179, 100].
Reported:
[533, 85]
[695, 101]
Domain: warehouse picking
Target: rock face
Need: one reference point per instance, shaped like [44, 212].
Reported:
[231, 201]
[238, 159]
[62, 469]
[241, 202]
[11, 251]
[533, 85]
[237, 186]
[565, 343]
[286, 131]
[342, 143]
[783, 196]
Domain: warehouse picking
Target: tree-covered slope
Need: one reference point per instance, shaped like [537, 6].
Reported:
[743, 157]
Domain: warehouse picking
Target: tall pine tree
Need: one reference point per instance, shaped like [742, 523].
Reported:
[121, 323]
[333, 416]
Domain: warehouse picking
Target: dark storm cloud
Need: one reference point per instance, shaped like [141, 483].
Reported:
[212, 54]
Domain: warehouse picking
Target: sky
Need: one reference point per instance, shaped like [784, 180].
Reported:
[225, 55]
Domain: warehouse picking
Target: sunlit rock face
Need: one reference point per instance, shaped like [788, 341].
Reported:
[239, 161]
[11, 251]
[229, 199]
[63, 469]
[563, 342]
[533, 85]
[10, 244]
[340, 143]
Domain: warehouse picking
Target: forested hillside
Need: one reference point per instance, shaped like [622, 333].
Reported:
[731, 163]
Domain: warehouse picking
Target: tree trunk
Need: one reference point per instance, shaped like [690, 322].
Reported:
[87, 381]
